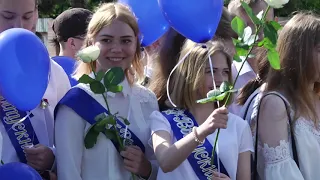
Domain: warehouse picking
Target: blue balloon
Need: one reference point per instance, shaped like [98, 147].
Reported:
[18, 171]
[152, 23]
[24, 68]
[195, 19]
[68, 64]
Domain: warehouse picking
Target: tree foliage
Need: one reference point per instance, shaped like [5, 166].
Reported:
[52, 8]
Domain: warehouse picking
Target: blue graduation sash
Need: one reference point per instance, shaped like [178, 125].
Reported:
[182, 122]
[22, 135]
[88, 108]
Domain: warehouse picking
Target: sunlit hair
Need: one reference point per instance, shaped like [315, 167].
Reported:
[104, 16]
[299, 66]
[188, 81]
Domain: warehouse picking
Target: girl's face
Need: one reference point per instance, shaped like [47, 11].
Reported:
[220, 71]
[18, 14]
[118, 44]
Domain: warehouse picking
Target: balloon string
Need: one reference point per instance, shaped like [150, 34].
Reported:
[20, 121]
[212, 74]
[175, 67]
[215, 87]
[218, 159]
[126, 130]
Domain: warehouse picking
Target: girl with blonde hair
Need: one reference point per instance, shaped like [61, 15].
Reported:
[114, 30]
[285, 116]
[183, 137]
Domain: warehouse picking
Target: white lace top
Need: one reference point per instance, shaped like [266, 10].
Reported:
[102, 162]
[275, 159]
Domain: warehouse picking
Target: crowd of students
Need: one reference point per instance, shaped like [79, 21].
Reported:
[269, 129]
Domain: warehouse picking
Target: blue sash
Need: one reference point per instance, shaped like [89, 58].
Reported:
[88, 108]
[22, 135]
[182, 122]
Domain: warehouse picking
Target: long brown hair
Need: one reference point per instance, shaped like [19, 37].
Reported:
[104, 16]
[188, 79]
[299, 67]
[252, 85]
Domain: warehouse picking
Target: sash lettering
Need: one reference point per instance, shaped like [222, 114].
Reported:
[182, 122]
[22, 135]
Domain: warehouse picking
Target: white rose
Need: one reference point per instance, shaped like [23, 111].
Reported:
[276, 3]
[89, 54]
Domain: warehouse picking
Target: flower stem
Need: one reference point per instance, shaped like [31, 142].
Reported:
[103, 95]
[109, 113]
[234, 82]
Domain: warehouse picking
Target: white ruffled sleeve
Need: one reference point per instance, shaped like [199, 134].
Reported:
[275, 160]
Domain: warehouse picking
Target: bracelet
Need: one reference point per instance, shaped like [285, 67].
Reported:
[195, 135]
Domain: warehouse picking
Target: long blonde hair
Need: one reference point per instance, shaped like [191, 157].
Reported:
[299, 67]
[188, 80]
[104, 16]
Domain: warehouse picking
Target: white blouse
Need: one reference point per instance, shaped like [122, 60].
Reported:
[42, 121]
[232, 141]
[103, 161]
[275, 159]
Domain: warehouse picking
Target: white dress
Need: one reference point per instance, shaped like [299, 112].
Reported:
[42, 121]
[232, 141]
[275, 162]
[103, 162]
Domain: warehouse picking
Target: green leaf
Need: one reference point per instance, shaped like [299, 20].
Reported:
[274, 59]
[97, 87]
[100, 117]
[101, 125]
[85, 79]
[261, 43]
[110, 134]
[241, 50]
[250, 13]
[213, 98]
[232, 91]
[268, 44]
[237, 58]
[270, 33]
[115, 89]
[205, 100]
[91, 138]
[100, 75]
[276, 25]
[213, 93]
[224, 86]
[113, 77]
[221, 96]
[126, 122]
[111, 120]
[238, 25]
